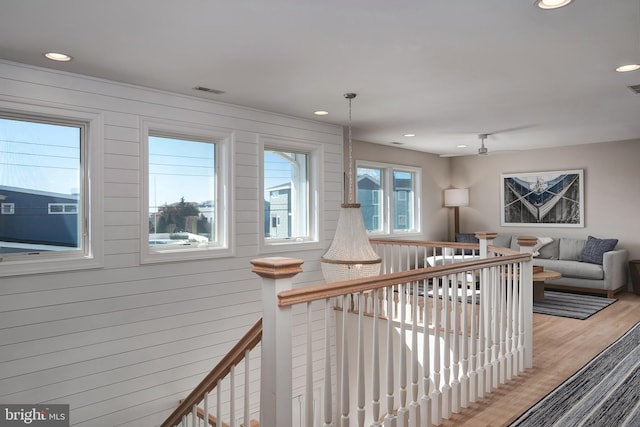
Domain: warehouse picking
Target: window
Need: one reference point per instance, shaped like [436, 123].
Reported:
[50, 214]
[8, 209]
[63, 208]
[388, 197]
[186, 207]
[290, 189]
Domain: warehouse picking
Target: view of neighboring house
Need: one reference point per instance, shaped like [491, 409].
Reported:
[277, 209]
[31, 217]
[370, 199]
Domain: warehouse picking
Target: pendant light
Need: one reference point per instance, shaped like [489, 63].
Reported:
[350, 255]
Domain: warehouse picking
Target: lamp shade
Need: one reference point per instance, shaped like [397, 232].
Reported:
[456, 197]
[350, 255]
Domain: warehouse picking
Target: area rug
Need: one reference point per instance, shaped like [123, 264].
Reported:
[605, 392]
[575, 306]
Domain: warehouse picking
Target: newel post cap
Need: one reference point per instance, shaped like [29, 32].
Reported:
[276, 267]
[486, 235]
[527, 240]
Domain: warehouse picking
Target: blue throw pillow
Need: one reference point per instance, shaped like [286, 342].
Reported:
[466, 238]
[594, 249]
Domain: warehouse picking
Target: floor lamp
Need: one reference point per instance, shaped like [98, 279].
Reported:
[454, 198]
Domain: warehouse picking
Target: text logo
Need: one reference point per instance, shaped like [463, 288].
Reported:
[34, 415]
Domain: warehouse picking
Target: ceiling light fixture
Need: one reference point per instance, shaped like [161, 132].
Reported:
[57, 56]
[552, 4]
[320, 113]
[409, 135]
[461, 146]
[627, 68]
[350, 255]
[483, 151]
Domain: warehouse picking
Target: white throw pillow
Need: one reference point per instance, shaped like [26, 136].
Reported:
[542, 241]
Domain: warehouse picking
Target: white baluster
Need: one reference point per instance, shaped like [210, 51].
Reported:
[205, 407]
[360, 364]
[375, 362]
[488, 333]
[389, 419]
[473, 342]
[502, 279]
[414, 407]
[509, 325]
[426, 409]
[484, 302]
[308, 392]
[459, 280]
[403, 413]
[495, 316]
[328, 395]
[219, 401]
[436, 395]
[344, 374]
[232, 398]
[446, 384]
[194, 415]
[516, 322]
[464, 336]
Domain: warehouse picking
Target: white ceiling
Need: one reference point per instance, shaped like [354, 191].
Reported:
[446, 70]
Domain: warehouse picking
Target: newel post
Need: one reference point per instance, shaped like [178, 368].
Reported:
[486, 239]
[275, 385]
[526, 244]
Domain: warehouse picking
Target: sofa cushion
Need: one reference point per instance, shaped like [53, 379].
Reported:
[550, 250]
[574, 269]
[542, 241]
[594, 249]
[466, 238]
[571, 249]
[502, 240]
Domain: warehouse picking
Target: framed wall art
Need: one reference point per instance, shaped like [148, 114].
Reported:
[543, 199]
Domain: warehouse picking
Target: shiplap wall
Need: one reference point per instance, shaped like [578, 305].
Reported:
[122, 344]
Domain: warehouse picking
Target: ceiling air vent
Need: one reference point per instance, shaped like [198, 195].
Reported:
[635, 89]
[209, 90]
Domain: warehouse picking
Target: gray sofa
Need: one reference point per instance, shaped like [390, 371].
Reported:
[581, 271]
[565, 255]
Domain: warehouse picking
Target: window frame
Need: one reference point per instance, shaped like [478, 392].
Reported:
[387, 197]
[90, 255]
[10, 209]
[315, 153]
[223, 141]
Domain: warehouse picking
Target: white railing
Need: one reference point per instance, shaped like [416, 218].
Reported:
[407, 348]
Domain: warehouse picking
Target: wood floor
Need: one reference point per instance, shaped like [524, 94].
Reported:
[561, 346]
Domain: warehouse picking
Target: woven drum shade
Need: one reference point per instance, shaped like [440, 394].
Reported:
[350, 255]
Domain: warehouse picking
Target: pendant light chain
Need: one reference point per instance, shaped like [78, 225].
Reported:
[350, 96]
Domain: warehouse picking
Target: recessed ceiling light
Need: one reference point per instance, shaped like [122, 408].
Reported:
[409, 135]
[320, 113]
[57, 56]
[552, 4]
[628, 67]
[461, 146]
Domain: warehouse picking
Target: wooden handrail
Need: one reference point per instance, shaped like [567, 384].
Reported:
[328, 290]
[235, 355]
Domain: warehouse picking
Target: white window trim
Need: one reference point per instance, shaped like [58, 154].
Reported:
[316, 161]
[92, 254]
[387, 195]
[64, 209]
[224, 206]
[10, 209]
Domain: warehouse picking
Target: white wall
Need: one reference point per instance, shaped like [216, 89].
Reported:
[122, 344]
[611, 189]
